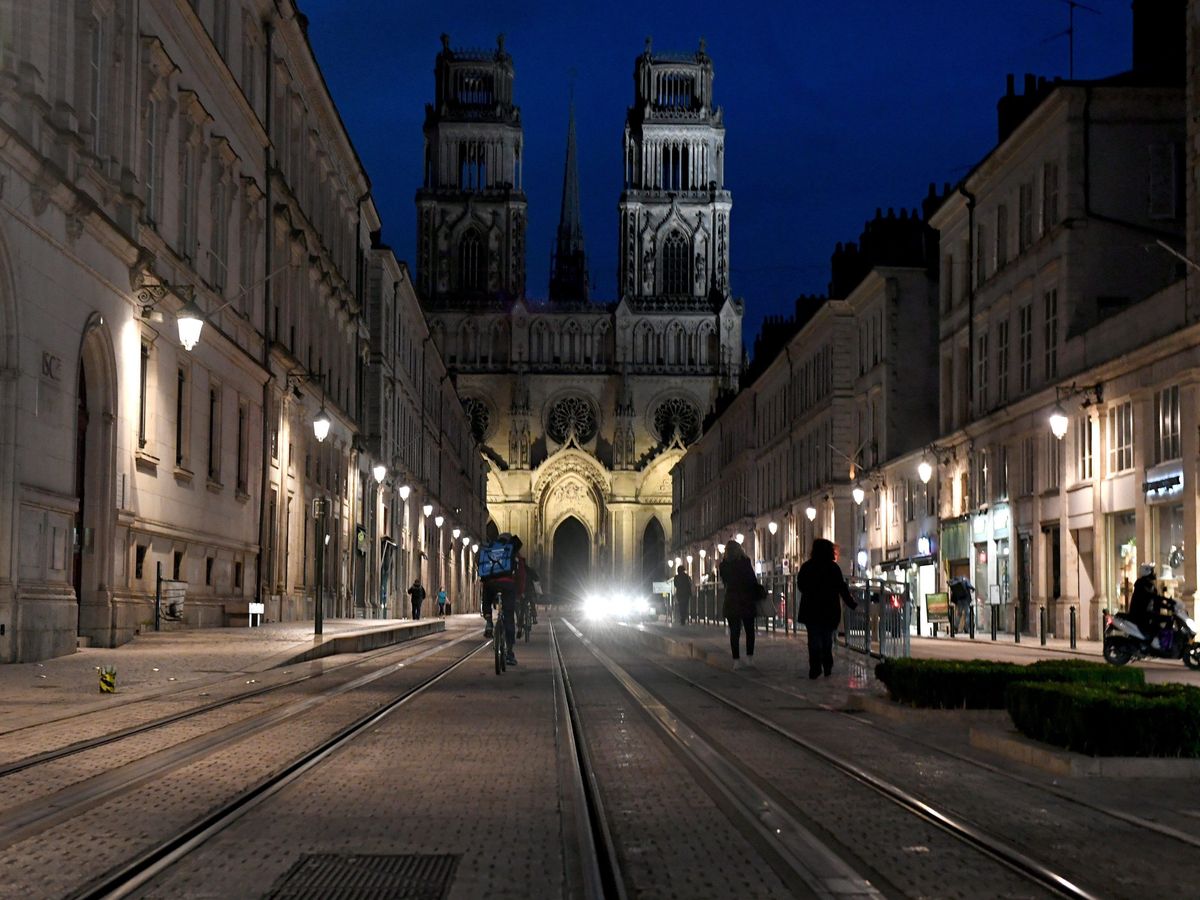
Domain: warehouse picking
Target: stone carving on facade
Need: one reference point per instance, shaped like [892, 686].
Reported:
[571, 420]
[676, 421]
[478, 415]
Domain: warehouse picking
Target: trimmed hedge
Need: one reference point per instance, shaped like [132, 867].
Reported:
[1108, 720]
[981, 684]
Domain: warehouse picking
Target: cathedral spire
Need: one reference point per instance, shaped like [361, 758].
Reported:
[568, 268]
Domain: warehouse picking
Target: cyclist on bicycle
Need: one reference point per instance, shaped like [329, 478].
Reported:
[509, 588]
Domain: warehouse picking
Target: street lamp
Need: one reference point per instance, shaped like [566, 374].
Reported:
[740, 538]
[924, 470]
[474, 548]
[380, 472]
[721, 549]
[1058, 421]
[689, 559]
[678, 561]
[466, 539]
[1091, 393]
[455, 533]
[858, 494]
[811, 513]
[427, 509]
[703, 553]
[190, 320]
[321, 424]
[438, 520]
[404, 491]
[772, 526]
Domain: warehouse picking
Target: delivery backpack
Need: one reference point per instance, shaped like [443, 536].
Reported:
[497, 560]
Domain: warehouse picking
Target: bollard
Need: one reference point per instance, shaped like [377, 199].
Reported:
[1072, 628]
[1042, 623]
[108, 680]
[995, 621]
[935, 627]
[1016, 624]
[971, 621]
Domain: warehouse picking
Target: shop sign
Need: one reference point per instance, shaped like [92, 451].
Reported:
[1161, 488]
[1000, 521]
[923, 547]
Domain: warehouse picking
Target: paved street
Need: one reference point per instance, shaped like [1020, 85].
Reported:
[471, 776]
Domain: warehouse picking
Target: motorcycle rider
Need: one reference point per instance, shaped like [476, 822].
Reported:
[1145, 606]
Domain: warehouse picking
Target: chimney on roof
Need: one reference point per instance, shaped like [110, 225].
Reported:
[1160, 40]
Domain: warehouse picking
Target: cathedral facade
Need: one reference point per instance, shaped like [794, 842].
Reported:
[581, 407]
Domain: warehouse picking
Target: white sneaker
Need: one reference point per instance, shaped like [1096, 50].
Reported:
[738, 664]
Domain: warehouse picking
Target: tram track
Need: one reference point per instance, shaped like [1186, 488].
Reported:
[1013, 859]
[25, 820]
[148, 864]
[85, 744]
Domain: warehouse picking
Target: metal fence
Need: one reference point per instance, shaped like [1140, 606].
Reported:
[879, 626]
[880, 623]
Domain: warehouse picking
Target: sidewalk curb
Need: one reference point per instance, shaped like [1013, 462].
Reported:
[1013, 745]
[354, 642]
[898, 712]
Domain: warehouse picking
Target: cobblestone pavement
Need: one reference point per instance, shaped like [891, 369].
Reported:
[472, 767]
[469, 768]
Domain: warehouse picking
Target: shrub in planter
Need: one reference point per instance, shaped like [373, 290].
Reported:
[981, 684]
[1109, 720]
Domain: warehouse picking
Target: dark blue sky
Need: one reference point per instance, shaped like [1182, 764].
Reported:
[831, 109]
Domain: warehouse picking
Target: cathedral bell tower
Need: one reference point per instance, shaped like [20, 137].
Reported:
[471, 209]
[674, 210]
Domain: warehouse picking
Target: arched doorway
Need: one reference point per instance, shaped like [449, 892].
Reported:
[654, 551]
[95, 421]
[570, 561]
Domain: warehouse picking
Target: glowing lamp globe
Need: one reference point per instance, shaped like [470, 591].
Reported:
[1058, 422]
[404, 491]
[858, 494]
[924, 471]
[811, 513]
[380, 473]
[772, 526]
[321, 425]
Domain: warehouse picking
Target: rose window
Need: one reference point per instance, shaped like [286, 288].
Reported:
[676, 419]
[571, 417]
[478, 416]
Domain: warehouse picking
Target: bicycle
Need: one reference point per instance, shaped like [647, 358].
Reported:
[525, 617]
[499, 644]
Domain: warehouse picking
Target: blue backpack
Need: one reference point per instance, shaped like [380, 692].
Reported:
[497, 560]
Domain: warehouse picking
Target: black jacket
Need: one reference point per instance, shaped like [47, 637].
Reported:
[683, 587]
[416, 593]
[741, 587]
[822, 590]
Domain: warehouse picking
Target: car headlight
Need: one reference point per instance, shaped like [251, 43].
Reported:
[594, 607]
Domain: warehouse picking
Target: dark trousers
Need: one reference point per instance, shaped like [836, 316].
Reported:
[683, 603]
[508, 609]
[820, 649]
[416, 609]
[736, 624]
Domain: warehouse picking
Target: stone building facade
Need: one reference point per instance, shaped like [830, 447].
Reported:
[135, 145]
[582, 407]
[1064, 285]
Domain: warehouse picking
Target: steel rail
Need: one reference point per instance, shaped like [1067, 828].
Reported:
[1016, 860]
[809, 858]
[602, 877]
[127, 878]
[80, 746]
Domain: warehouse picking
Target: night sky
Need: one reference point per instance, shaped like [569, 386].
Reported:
[831, 109]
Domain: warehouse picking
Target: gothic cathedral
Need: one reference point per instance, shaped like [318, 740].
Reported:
[581, 407]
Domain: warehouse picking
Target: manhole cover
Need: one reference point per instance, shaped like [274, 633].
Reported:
[336, 876]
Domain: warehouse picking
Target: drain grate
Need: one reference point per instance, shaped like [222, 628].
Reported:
[347, 876]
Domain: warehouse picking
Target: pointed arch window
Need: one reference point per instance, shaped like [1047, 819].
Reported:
[472, 262]
[676, 271]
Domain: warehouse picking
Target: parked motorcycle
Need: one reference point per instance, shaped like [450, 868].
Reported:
[1176, 638]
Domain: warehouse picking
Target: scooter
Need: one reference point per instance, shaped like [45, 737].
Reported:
[1124, 640]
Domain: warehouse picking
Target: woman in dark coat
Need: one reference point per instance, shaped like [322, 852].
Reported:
[822, 591]
[741, 593]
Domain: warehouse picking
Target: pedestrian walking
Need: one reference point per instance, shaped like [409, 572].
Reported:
[683, 595]
[441, 602]
[742, 592]
[416, 594]
[822, 590]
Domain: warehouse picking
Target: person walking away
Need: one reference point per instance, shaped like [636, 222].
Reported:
[683, 595]
[822, 590]
[416, 594]
[742, 591]
[441, 602]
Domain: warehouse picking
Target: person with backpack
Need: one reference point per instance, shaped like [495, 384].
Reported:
[502, 571]
[416, 595]
[823, 590]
